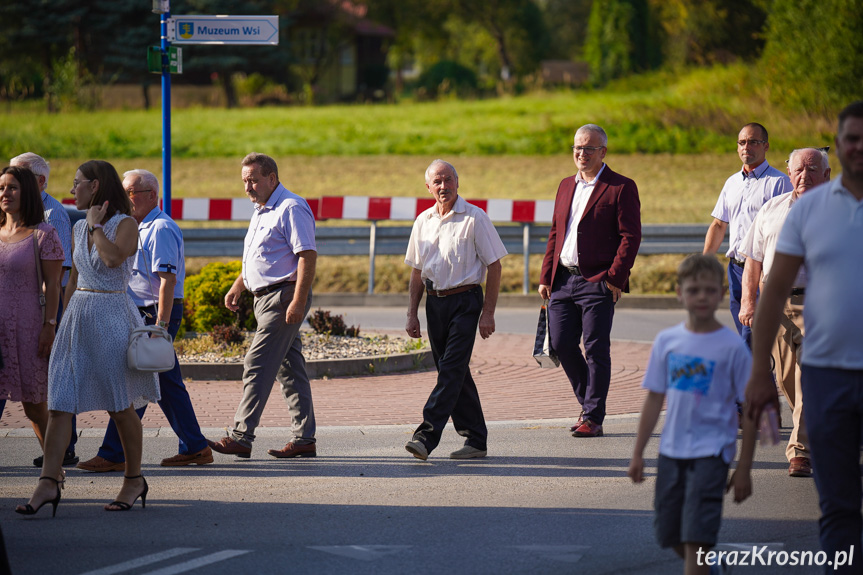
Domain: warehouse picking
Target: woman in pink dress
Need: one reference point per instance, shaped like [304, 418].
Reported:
[26, 327]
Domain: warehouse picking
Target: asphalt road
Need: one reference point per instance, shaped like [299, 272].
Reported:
[541, 503]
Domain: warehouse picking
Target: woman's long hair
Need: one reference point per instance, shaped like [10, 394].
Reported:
[110, 187]
[32, 209]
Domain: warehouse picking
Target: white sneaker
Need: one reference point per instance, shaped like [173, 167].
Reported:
[468, 452]
[417, 449]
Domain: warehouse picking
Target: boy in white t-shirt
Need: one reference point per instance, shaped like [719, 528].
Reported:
[702, 368]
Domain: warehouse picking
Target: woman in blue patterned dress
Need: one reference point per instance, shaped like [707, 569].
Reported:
[88, 369]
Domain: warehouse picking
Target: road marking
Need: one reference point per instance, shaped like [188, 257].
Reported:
[199, 562]
[565, 553]
[362, 552]
[141, 561]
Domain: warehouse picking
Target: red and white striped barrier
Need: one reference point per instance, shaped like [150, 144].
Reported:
[358, 208]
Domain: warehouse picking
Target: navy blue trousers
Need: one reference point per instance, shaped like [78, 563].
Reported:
[582, 309]
[735, 294]
[452, 323]
[175, 403]
[834, 421]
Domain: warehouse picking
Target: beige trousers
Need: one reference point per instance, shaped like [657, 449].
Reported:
[786, 354]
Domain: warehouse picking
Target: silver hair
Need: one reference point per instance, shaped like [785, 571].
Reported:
[148, 178]
[441, 163]
[593, 128]
[35, 163]
[825, 159]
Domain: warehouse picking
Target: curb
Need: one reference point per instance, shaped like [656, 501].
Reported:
[320, 368]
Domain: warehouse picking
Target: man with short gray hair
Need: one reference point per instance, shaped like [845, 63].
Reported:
[453, 246]
[807, 168]
[279, 259]
[55, 214]
[594, 238]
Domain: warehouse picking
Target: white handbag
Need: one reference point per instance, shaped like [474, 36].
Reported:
[151, 348]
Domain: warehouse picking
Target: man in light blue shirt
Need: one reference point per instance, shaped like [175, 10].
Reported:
[156, 288]
[55, 214]
[279, 257]
[742, 196]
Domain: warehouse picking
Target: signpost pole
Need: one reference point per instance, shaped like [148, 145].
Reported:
[166, 115]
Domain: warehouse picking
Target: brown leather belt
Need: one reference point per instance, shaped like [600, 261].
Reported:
[273, 287]
[738, 263]
[452, 291]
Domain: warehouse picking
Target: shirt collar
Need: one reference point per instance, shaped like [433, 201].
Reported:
[757, 172]
[579, 179]
[154, 213]
[271, 201]
[457, 208]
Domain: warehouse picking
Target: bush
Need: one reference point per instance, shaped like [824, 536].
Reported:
[205, 297]
[447, 76]
[323, 322]
[227, 334]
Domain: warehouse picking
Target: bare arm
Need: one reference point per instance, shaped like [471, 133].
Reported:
[167, 283]
[761, 390]
[646, 424]
[113, 254]
[715, 235]
[232, 298]
[741, 479]
[305, 276]
[492, 288]
[52, 271]
[751, 279]
[415, 291]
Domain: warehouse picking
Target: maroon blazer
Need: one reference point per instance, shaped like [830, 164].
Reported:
[609, 232]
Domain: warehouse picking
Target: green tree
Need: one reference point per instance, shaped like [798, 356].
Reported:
[609, 45]
[812, 57]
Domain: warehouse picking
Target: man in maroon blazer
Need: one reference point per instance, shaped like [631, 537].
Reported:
[591, 247]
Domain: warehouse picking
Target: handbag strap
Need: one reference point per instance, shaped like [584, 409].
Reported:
[149, 283]
[39, 280]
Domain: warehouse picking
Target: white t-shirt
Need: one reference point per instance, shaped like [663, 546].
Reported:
[703, 376]
[825, 227]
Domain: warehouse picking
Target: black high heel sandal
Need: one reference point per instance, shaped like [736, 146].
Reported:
[123, 506]
[29, 510]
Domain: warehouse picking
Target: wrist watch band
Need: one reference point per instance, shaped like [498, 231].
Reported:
[91, 229]
[162, 323]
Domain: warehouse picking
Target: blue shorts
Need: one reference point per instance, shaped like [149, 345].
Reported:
[688, 500]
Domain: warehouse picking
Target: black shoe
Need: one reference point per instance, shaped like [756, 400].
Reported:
[69, 460]
[28, 509]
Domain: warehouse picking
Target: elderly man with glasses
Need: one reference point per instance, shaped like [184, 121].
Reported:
[594, 238]
[742, 196]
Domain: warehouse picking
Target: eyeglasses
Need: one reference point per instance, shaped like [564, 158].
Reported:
[586, 149]
[742, 143]
[76, 182]
[133, 192]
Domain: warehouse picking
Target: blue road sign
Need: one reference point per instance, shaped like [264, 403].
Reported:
[260, 30]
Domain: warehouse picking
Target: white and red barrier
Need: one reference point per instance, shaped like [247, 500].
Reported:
[358, 208]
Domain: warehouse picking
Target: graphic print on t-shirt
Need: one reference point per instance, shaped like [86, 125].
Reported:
[691, 374]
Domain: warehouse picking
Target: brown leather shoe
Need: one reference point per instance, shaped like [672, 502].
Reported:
[295, 450]
[800, 467]
[588, 429]
[230, 446]
[578, 422]
[101, 465]
[203, 457]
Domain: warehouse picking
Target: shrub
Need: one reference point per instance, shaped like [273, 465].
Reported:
[447, 76]
[324, 322]
[205, 297]
[227, 334]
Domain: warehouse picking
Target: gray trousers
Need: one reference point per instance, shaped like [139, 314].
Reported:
[276, 353]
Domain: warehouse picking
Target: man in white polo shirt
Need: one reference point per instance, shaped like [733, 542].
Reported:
[824, 232]
[452, 244]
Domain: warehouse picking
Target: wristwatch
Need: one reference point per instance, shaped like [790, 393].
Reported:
[51, 321]
[163, 324]
[91, 229]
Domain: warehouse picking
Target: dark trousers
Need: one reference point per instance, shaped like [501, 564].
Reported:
[834, 418]
[74, 439]
[175, 403]
[579, 308]
[735, 294]
[452, 323]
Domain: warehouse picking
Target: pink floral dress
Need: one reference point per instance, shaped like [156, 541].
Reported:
[24, 376]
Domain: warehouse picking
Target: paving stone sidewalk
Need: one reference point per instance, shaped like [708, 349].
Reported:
[511, 387]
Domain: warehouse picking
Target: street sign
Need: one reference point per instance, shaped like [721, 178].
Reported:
[261, 30]
[154, 59]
